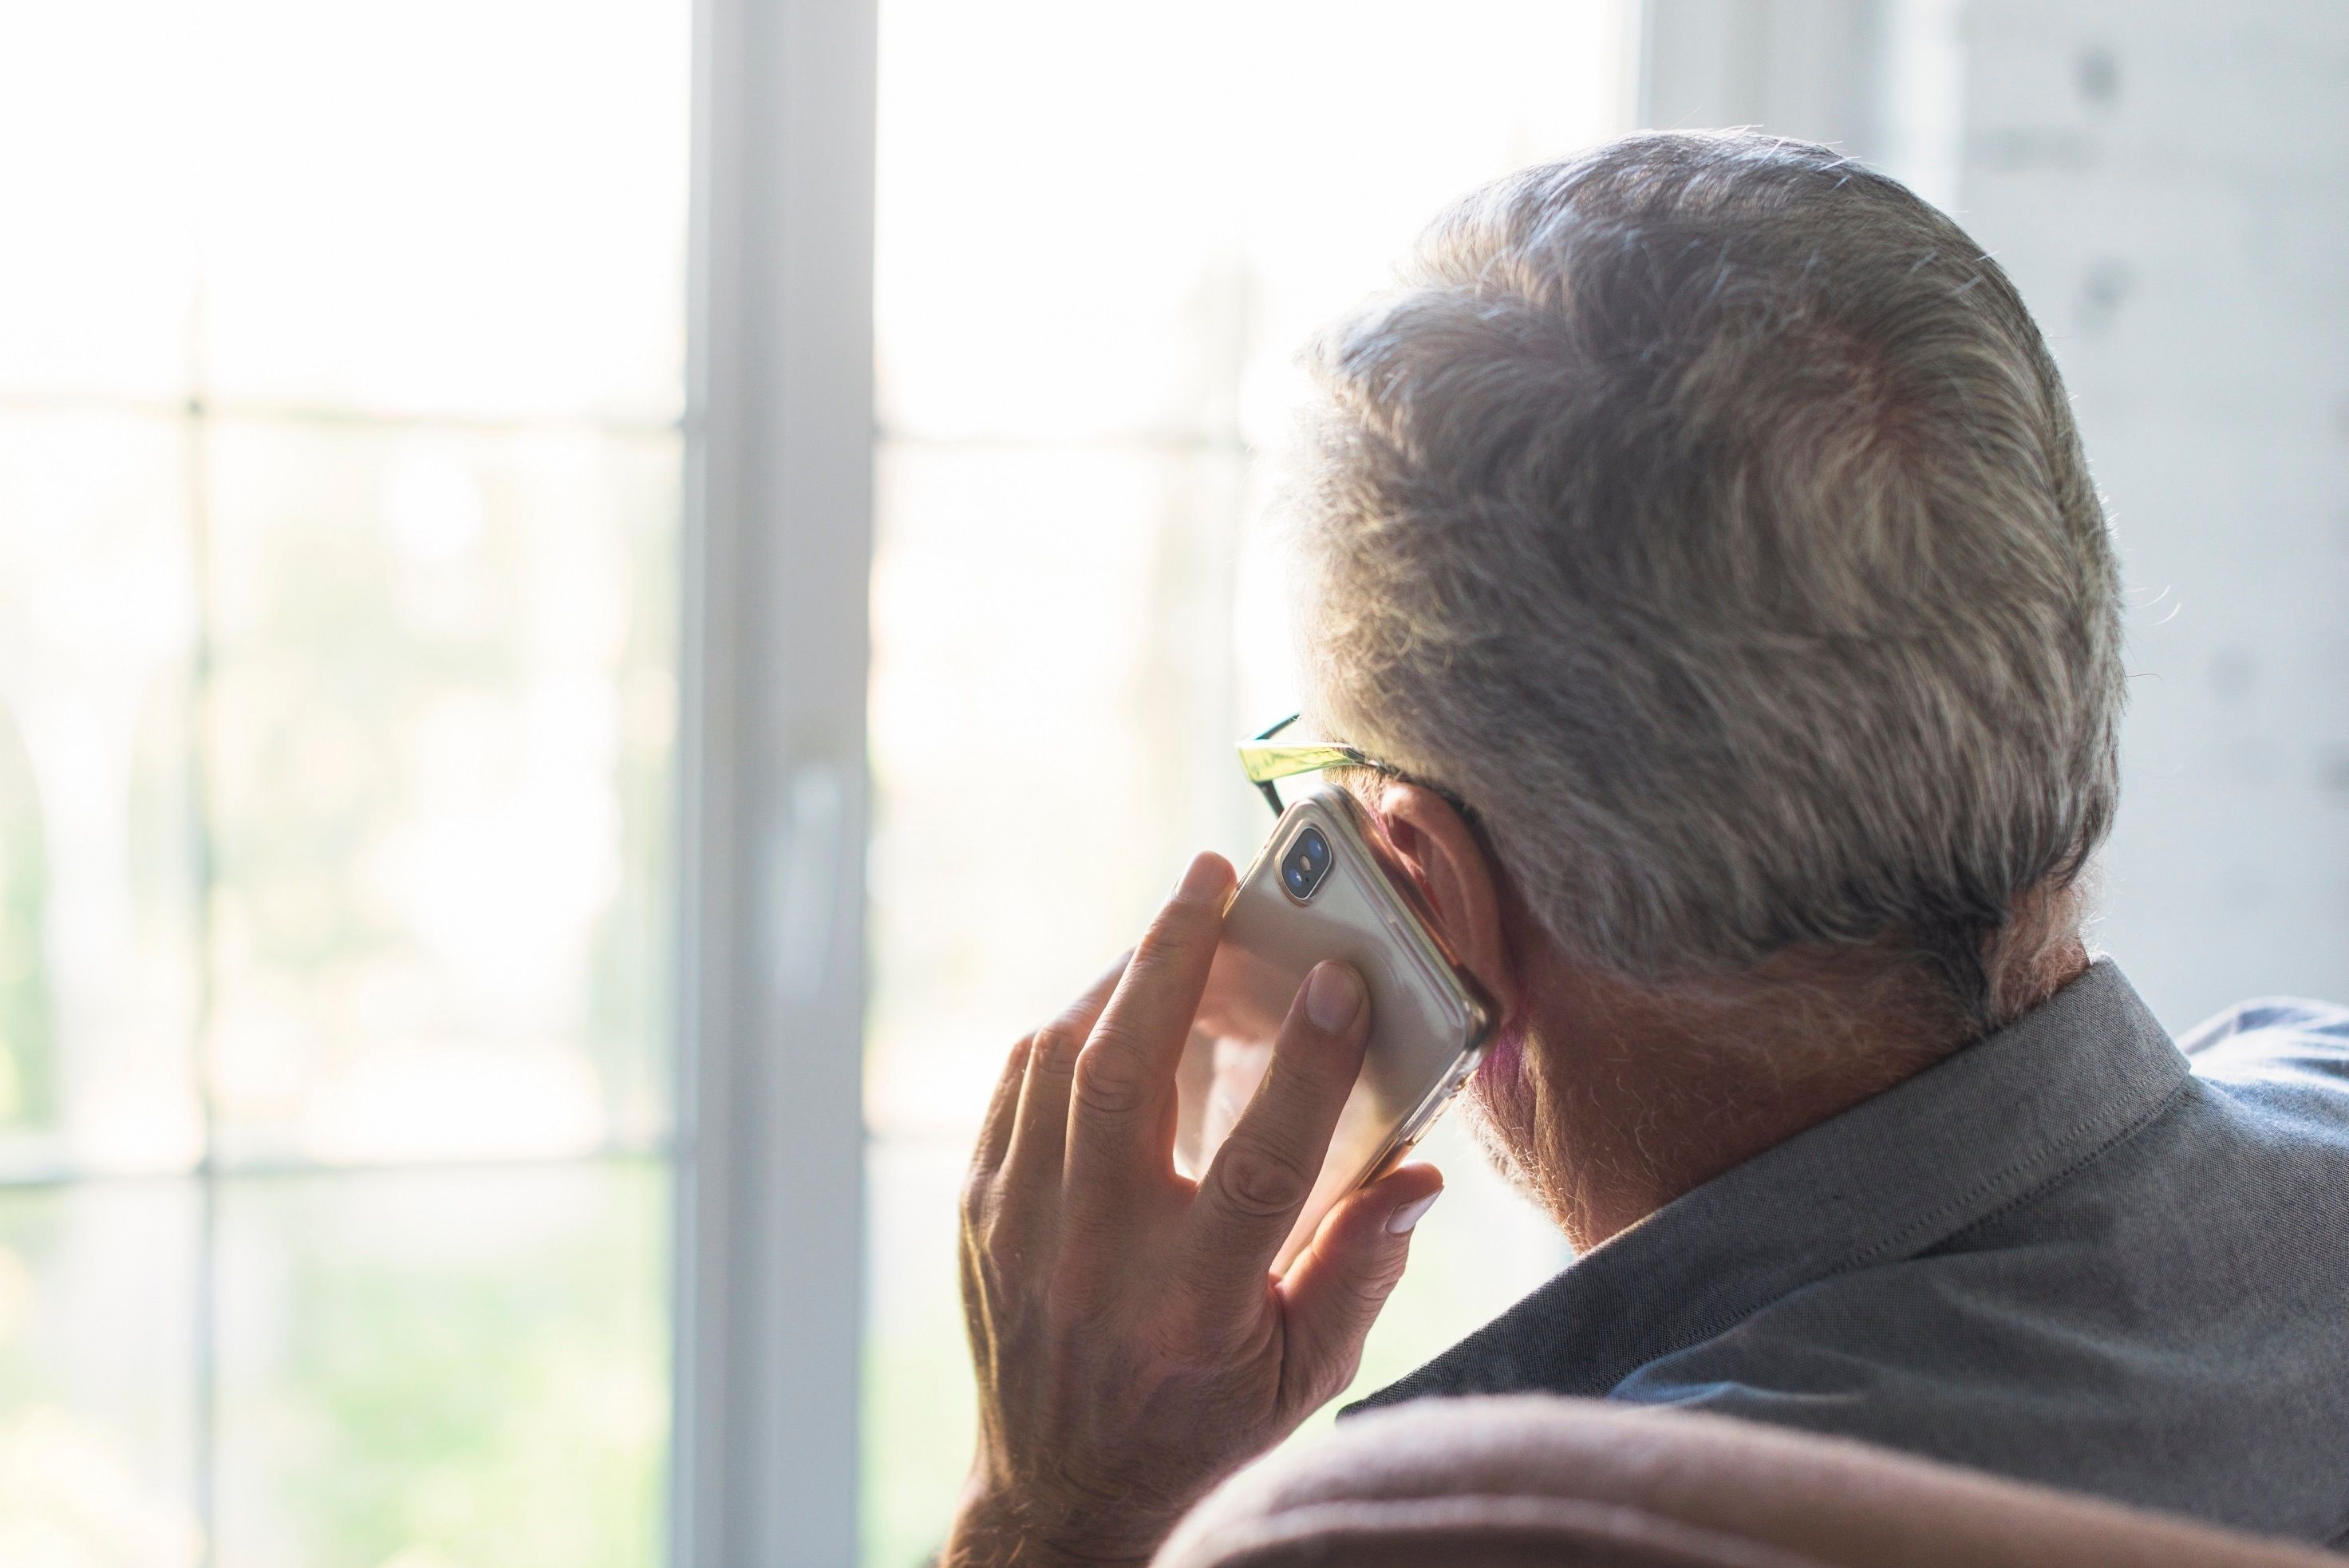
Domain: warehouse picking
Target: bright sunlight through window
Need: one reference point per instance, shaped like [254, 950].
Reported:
[1104, 232]
[341, 368]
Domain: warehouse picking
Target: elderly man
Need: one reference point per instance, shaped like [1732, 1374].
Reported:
[1705, 516]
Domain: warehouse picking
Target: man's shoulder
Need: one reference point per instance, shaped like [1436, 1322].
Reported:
[2233, 1443]
[2065, 1246]
[2279, 1040]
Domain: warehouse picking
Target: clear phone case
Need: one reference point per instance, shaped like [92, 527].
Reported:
[1429, 1020]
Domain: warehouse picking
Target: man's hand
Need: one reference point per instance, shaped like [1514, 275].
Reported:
[1132, 1349]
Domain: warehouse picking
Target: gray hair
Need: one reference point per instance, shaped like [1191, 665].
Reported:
[1707, 512]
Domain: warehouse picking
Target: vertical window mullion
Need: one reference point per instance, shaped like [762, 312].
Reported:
[770, 1216]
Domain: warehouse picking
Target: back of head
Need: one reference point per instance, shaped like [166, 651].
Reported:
[1707, 512]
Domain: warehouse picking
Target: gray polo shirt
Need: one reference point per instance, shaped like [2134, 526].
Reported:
[2074, 1252]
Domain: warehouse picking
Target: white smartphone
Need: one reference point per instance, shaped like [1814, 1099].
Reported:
[1317, 890]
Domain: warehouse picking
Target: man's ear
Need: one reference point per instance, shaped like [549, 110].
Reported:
[1459, 887]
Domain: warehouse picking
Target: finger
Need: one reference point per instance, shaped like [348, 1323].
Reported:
[1261, 1177]
[1333, 1294]
[995, 1132]
[1040, 1129]
[1120, 1120]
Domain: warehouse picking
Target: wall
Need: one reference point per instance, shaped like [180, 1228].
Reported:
[2169, 183]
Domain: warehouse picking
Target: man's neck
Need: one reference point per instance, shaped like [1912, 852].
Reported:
[1627, 1098]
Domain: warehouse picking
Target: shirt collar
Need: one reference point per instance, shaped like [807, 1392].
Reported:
[1888, 1178]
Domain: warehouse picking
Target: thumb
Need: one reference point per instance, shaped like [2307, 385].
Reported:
[1332, 1295]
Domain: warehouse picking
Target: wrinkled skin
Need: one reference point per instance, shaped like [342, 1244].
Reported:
[1132, 1347]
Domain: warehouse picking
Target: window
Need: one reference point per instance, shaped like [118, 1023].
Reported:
[1103, 234]
[412, 927]
[341, 396]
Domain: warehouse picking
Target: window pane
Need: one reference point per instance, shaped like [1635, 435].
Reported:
[443, 698]
[98, 273]
[1333, 193]
[1048, 750]
[919, 1406]
[1033, 278]
[1243, 172]
[98, 841]
[97, 1294]
[1049, 744]
[443, 1369]
[445, 205]
[1082, 340]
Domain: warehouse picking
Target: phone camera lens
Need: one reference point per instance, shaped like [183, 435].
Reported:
[1306, 864]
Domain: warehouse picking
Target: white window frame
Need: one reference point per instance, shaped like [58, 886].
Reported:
[769, 1212]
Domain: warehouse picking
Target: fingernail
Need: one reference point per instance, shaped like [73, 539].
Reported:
[1400, 1222]
[1332, 996]
[1202, 881]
